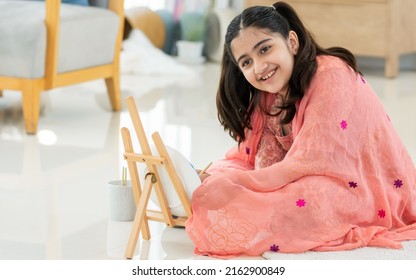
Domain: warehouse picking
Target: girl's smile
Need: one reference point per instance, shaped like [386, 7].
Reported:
[268, 75]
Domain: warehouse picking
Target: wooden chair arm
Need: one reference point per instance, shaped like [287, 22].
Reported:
[117, 6]
[52, 31]
[52, 42]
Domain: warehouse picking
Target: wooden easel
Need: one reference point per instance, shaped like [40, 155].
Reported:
[151, 181]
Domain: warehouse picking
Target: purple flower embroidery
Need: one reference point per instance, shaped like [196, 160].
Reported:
[362, 79]
[300, 203]
[381, 213]
[343, 124]
[398, 183]
[274, 248]
[353, 184]
[247, 150]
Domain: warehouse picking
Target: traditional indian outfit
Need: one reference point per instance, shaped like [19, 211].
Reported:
[341, 179]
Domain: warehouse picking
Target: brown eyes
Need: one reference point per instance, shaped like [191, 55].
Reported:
[264, 49]
[247, 62]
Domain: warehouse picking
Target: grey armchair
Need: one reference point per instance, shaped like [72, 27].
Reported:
[46, 44]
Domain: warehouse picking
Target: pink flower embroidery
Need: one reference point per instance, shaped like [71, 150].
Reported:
[343, 124]
[381, 213]
[353, 184]
[274, 248]
[398, 183]
[300, 203]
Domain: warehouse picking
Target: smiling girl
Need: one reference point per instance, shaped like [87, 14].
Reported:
[317, 166]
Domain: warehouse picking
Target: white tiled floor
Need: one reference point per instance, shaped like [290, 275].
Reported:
[53, 195]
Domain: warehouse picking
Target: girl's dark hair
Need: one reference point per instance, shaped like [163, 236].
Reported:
[237, 98]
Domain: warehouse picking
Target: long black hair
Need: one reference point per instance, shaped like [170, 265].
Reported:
[237, 98]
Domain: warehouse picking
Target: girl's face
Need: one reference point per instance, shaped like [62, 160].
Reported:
[265, 59]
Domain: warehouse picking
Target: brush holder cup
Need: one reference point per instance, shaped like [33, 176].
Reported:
[121, 201]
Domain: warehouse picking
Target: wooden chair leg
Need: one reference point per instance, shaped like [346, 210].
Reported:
[113, 91]
[31, 105]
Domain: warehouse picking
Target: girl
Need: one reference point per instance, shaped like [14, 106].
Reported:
[318, 165]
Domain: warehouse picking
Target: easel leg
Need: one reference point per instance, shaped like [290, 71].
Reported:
[139, 218]
[137, 189]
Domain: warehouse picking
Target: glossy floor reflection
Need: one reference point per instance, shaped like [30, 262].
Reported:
[53, 195]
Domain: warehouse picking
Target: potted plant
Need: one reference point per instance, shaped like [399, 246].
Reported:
[190, 46]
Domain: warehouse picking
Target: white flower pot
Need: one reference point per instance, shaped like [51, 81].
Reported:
[190, 52]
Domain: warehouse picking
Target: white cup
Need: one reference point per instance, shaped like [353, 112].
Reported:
[121, 201]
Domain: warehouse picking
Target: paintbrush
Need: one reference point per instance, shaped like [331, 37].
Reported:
[205, 169]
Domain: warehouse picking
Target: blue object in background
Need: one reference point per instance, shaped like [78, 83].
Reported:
[76, 2]
[172, 31]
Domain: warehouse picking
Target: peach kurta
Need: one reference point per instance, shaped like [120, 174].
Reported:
[346, 181]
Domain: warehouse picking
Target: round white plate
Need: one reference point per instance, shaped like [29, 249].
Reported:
[187, 174]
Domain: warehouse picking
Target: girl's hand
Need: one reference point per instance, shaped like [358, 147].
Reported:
[202, 175]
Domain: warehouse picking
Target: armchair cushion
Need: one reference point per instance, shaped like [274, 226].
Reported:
[81, 40]
[23, 43]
